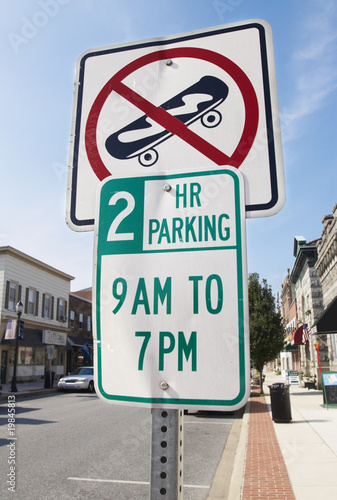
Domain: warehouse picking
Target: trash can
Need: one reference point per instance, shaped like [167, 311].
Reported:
[49, 380]
[280, 403]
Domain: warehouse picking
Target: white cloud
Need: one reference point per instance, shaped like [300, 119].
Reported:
[319, 47]
[314, 64]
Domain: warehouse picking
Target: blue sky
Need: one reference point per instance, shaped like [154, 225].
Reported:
[40, 43]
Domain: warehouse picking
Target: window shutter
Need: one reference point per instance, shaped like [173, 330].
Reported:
[57, 309]
[52, 308]
[37, 303]
[20, 293]
[43, 302]
[65, 310]
[26, 301]
[7, 294]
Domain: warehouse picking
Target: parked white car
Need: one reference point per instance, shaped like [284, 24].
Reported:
[81, 378]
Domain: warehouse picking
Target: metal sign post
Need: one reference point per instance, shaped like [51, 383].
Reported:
[167, 454]
[50, 352]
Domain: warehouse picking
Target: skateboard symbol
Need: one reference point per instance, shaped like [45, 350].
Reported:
[209, 92]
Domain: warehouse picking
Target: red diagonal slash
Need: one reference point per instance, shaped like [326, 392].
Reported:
[165, 119]
[173, 125]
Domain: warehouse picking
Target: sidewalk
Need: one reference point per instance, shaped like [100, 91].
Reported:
[296, 460]
[27, 389]
[309, 444]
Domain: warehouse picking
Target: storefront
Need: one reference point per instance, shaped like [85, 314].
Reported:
[80, 352]
[325, 332]
[290, 359]
[33, 362]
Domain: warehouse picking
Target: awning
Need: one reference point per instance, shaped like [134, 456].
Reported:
[287, 345]
[327, 323]
[31, 338]
[79, 341]
[297, 336]
[290, 347]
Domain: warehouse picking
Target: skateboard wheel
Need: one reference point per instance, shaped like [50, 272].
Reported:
[148, 158]
[211, 119]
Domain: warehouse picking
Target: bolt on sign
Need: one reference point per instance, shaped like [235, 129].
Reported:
[203, 99]
[170, 291]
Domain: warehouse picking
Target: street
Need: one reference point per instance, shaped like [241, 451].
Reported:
[75, 446]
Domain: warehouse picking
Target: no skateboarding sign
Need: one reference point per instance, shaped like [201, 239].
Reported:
[198, 100]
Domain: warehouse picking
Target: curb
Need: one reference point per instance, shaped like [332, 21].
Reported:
[236, 483]
[228, 479]
[28, 394]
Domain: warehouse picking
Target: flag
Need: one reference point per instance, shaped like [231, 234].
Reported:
[305, 334]
[11, 326]
[10, 329]
[86, 351]
[21, 329]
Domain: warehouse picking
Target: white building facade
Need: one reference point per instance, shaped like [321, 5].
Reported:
[44, 293]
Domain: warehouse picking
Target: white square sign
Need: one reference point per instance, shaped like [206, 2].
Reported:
[199, 99]
[170, 291]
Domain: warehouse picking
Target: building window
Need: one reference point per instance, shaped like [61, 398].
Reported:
[39, 355]
[47, 306]
[25, 356]
[72, 319]
[32, 301]
[89, 324]
[12, 296]
[61, 310]
[80, 321]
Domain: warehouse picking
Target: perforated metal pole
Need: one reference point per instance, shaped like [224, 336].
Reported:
[167, 455]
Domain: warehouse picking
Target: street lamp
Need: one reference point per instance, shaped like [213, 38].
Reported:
[19, 311]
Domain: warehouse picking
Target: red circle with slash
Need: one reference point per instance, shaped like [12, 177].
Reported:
[165, 119]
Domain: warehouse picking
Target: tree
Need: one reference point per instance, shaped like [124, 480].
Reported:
[265, 324]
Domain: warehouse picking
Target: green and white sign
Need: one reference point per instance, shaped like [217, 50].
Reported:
[293, 377]
[171, 296]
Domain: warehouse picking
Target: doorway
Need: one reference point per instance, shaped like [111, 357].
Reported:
[3, 373]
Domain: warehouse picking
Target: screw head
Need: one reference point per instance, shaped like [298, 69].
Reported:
[167, 187]
[169, 62]
[164, 386]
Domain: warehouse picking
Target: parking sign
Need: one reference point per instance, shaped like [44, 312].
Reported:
[171, 309]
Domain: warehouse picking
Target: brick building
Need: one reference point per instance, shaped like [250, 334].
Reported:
[290, 357]
[80, 325]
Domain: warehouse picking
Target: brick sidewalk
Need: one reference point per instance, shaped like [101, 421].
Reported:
[265, 476]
